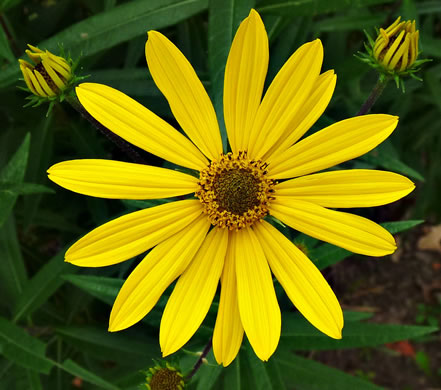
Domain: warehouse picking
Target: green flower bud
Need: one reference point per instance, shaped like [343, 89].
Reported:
[48, 76]
[396, 47]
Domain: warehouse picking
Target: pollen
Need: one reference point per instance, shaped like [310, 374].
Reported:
[235, 191]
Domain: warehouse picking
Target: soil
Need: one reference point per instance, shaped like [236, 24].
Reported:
[395, 289]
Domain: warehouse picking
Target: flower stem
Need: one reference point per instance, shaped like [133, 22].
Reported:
[116, 139]
[375, 94]
[198, 364]
[9, 36]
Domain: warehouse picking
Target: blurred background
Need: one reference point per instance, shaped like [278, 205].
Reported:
[65, 309]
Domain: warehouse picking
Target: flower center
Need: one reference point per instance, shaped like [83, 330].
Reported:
[166, 379]
[40, 68]
[235, 191]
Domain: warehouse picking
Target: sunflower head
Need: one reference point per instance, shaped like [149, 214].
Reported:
[394, 53]
[48, 77]
[235, 191]
[164, 377]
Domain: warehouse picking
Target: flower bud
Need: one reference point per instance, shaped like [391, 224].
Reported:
[396, 47]
[49, 76]
[164, 377]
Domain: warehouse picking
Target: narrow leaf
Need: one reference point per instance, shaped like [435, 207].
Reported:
[42, 285]
[117, 25]
[88, 338]
[75, 369]
[12, 270]
[312, 7]
[14, 171]
[304, 337]
[308, 374]
[104, 288]
[23, 349]
[24, 188]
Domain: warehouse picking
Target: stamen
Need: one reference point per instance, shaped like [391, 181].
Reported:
[234, 191]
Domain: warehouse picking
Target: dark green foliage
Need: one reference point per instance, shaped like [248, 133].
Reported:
[54, 316]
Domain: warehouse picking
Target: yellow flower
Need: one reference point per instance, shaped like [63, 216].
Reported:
[49, 76]
[396, 48]
[222, 234]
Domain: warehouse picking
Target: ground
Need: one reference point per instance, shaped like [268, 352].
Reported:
[404, 288]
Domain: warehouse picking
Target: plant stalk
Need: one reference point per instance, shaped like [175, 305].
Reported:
[198, 364]
[374, 95]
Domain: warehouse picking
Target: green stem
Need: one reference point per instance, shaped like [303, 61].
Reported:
[9, 36]
[198, 364]
[116, 139]
[374, 95]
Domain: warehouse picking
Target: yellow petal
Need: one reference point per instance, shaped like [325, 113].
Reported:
[258, 307]
[285, 97]
[132, 234]
[301, 280]
[308, 114]
[245, 74]
[44, 84]
[228, 331]
[192, 296]
[391, 51]
[333, 145]
[186, 95]
[52, 74]
[155, 273]
[35, 83]
[351, 232]
[139, 126]
[121, 180]
[59, 64]
[25, 68]
[351, 188]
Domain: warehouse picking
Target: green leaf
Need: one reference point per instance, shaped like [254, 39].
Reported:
[14, 171]
[429, 7]
[423, 362]
[93, 339]
[5, 50]
[328, 254]
[401, 226]
[298, 334]
[24, 188]
[40, 154]
[275, 374]
[385, 161]
[208, 374]
[34, 382]
[349, 22]
[356, 315]
[76, 370]
[312, 7]
[232, 377]
[6, 4]
[259, 372]
[304, 373]
[42, 285]
[103, 288]
[224, 19]
[23, 349]
[117, 25]
[12, 270]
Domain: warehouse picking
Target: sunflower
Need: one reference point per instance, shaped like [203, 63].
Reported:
[223, 233]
